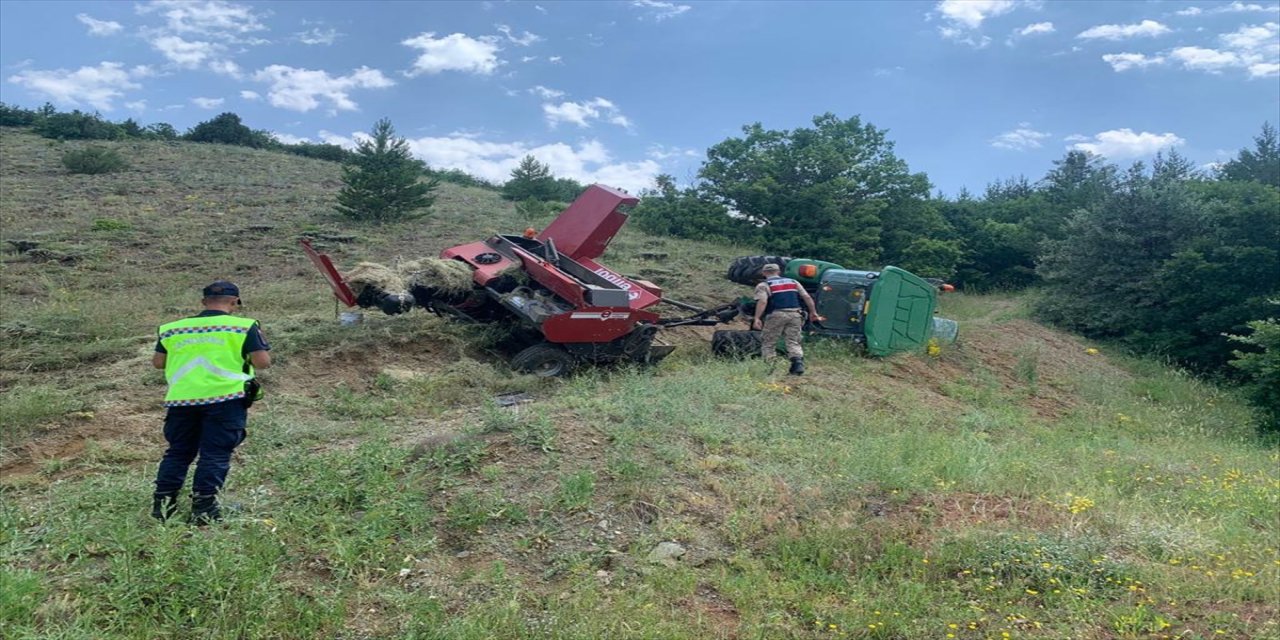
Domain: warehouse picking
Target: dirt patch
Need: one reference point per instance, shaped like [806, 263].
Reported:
[714, 611]
[124, 426]
[948, 511]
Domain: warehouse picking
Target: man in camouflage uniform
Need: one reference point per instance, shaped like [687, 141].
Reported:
[778, 314]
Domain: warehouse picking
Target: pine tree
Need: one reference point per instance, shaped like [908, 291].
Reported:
[1262, 164]
[532, 180]
[382, 179]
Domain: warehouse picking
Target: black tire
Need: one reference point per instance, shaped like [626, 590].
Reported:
[736, 344]
[545, 360]
[746, 270]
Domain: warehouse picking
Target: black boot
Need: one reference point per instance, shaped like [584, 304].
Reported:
[204, 509]
[797, 367]
[164, 505]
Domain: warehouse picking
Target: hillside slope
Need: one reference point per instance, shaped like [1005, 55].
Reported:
[1015, 486]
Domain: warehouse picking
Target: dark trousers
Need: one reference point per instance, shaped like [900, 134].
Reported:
[212, 432]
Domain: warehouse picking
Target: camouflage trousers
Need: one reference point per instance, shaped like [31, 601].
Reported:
[785, 323]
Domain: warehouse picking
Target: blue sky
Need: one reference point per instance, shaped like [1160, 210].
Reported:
[616, 92]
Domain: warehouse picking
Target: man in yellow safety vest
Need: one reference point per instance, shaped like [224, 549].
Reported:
[209, 361]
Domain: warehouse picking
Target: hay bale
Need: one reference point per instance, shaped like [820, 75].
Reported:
[368, 274]
[446, 276]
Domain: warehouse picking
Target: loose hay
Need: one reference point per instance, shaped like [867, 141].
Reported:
[368, 274]
[446, 276]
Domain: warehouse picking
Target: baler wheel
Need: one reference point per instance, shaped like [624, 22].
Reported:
[544, 360]
[736, 344]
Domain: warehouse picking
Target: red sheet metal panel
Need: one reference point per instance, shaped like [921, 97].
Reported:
[585, 228]
[594, 324]
[639, 297]
[340, 288]
[468, 253]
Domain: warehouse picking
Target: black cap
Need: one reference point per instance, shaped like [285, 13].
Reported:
[222, 288]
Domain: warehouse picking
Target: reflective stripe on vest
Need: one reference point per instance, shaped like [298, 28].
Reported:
[783, 294]
[204, 360]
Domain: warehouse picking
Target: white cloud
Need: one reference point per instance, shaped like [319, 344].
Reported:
[250, 95]
[140, 105]
[302, 89]
[226, 20]
[540, 9]
[884, 72]
[523, 40]
[1253, 48]
[226, 68]
[972, 13]
[1127, 61]
[1190, 11]
[99, 27]
[1020, 139]
[183, 53]
[95, 86]
[528, 58]
[661, 152]
[1146, 28]
[454, 52]
[963, 37]
[1240, 7]
[582, 113]
[1124, 143]
[207, 103]
[659, 11]
[1201, 59]
[316, 35]
[545, 93]
[555, 60]
[588, 162]
[287, 138]
[1039, 27]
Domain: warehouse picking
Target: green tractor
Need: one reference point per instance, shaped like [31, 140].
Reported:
[886, 311]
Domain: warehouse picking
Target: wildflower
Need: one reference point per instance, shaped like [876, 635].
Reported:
[1091, 351]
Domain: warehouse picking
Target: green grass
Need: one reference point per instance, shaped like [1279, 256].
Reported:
[1012, 485]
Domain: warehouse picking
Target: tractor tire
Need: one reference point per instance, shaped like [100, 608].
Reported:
[736, 344]
[545, 360]
[746, 270]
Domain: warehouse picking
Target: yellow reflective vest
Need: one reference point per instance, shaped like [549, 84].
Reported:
[205, 362]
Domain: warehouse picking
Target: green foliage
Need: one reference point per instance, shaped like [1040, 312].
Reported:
[14, 116]
[1262, 366]
[162, 131]
[460, 177]
[1167, 264]
[94, 160]
[319, 151]
[382, 180]
[109, 224]
[822, 192]
[1262, 164]
[689, 214]
[77, 126]
[531, 180]
[226, 128]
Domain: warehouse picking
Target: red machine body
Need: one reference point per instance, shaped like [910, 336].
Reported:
[573, 301]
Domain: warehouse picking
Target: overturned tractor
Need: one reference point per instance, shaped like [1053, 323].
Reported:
[564, 307]
[886, 311]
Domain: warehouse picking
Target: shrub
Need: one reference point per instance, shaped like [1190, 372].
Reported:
[94, 160]
[227, 129]
[1263, 369]
[77, 126]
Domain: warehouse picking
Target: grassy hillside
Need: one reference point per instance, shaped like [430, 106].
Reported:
[1016, 486]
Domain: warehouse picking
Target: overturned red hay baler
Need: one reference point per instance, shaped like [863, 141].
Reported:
[565, 308]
